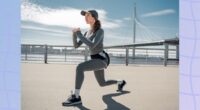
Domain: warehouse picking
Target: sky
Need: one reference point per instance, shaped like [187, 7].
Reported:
[51, 21]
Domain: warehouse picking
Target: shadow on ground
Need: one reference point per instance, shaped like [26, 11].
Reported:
[112, 104]
[81, 107]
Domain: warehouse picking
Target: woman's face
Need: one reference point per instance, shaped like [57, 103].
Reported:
[89, 19]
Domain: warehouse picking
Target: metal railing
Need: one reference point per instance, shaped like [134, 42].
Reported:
[62, 53]
[166, 43]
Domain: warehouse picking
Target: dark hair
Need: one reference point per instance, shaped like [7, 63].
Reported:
[96, 26]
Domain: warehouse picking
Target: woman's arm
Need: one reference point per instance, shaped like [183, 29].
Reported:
[76, 44]
[98, 37]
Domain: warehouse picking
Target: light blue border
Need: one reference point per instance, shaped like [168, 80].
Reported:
[10, 55]
[189, 55]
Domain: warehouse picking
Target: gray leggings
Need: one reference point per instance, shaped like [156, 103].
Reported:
[96, 65]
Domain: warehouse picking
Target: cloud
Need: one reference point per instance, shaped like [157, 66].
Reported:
[67, 17]
[36, 28]
[159, 13]
[127, 18]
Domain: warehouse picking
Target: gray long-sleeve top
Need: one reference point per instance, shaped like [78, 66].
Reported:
[94, 42]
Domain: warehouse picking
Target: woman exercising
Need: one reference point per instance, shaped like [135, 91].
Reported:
[93, 38]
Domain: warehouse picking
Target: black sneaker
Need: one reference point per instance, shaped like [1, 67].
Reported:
[121, 86]
[72, 100]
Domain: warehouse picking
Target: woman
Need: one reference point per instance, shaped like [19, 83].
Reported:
[99, 58]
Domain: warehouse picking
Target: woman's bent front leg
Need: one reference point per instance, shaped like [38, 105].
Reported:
[91, 65]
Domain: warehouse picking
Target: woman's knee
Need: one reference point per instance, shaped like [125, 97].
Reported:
[101, 83]
[79, 68]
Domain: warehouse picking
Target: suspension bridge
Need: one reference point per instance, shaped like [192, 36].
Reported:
[149, 38]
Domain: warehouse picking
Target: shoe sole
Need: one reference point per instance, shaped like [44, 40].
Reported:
[76, 103]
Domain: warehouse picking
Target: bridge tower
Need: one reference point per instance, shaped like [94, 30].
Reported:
[134, 29]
